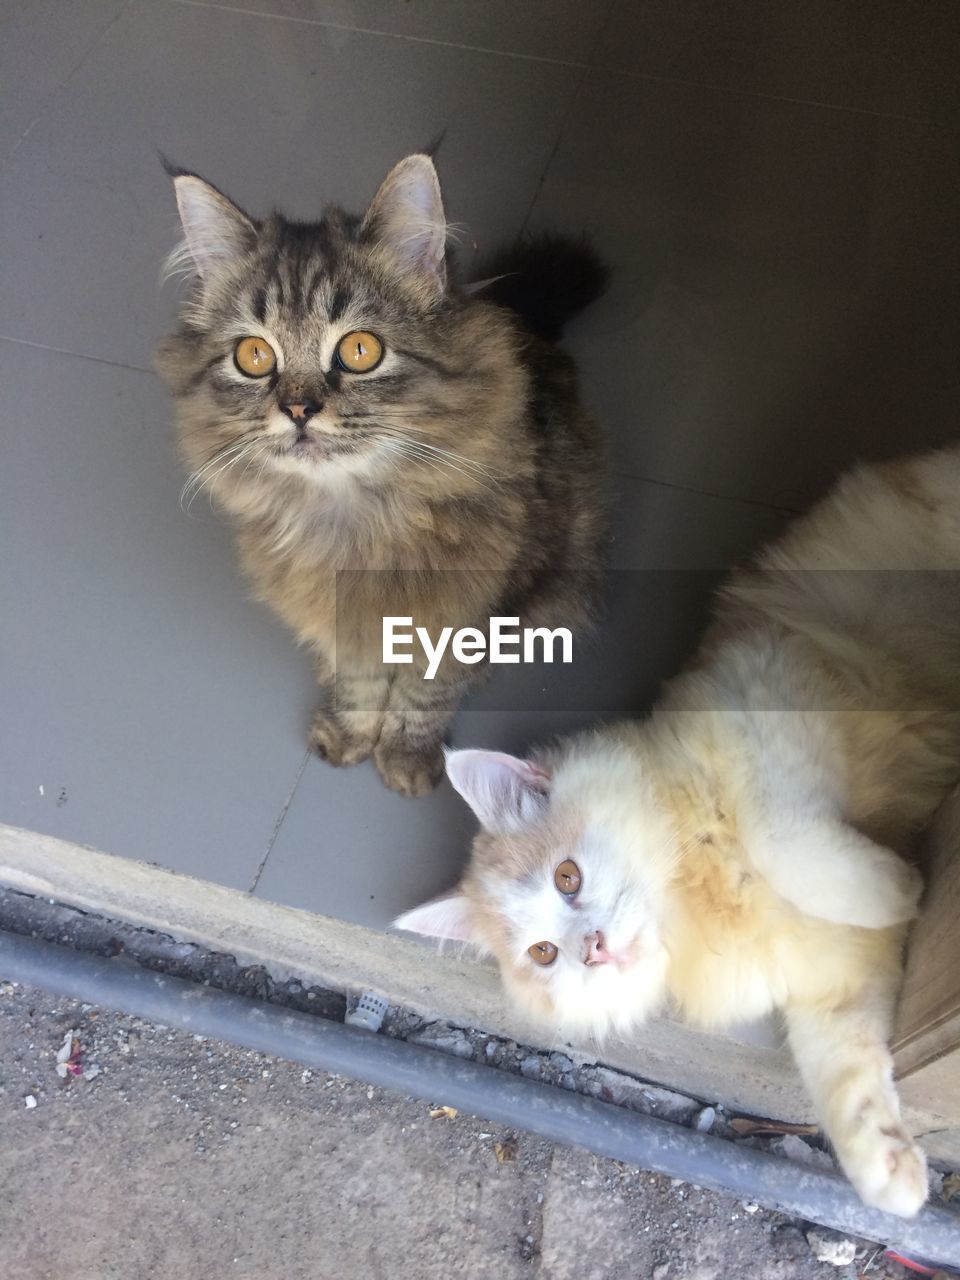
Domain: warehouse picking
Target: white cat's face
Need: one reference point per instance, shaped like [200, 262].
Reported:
[565, 886]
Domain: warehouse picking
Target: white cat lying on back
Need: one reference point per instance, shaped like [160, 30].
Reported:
[740, 850]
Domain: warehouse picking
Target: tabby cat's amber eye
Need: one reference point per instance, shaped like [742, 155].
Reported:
[254, 357]
[567, 878]
[542, 953]
[360, 351]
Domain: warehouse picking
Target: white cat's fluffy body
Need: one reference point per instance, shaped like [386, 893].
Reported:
[740, 850]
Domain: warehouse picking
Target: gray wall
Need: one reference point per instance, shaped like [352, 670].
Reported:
[776, 187]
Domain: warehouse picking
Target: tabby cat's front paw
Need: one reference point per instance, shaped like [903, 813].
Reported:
[409, 770]
[890, 1172]
[333, 743]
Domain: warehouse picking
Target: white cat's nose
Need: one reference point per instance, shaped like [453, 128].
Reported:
[595, 949]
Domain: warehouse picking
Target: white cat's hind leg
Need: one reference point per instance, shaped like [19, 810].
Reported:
[844, 1060]
[829, 870]
[795, 833]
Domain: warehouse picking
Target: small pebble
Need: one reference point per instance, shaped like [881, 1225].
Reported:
[830, 1246]
[704, 1120]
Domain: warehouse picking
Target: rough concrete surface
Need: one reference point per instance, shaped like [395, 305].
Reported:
[191, 1159]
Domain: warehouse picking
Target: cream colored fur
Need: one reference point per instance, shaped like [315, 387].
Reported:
[744, 848]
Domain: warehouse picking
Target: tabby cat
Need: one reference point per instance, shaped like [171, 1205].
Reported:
[742, 849]
[387, 443]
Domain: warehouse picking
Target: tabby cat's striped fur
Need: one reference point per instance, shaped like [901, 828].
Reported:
[457, 480]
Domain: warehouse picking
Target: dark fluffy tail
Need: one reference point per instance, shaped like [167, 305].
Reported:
[546, 279]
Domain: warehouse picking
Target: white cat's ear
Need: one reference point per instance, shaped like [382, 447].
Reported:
[214, 229]
[446, 917]
[407, 218]
[503, 791]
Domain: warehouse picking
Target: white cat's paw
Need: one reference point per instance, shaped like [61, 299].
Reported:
[890, 1172]
[894, 896]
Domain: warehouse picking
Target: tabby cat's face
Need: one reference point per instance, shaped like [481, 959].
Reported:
[314, 349]
[565, 888]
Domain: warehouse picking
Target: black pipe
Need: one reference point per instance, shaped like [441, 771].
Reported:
[759, 1176]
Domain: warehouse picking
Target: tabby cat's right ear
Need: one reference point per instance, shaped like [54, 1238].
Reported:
[406, 218]
[214, 229]
[504, 791]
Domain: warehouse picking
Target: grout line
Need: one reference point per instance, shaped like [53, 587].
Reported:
[375, 31]
[570, 64]
[279, 823]
[567, 116]
[709, 493]
[814, 103]
[76, 355]
[58, 88]
[561, 131]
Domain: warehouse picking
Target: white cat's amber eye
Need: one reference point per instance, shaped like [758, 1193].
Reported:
[542, 953]
[254, 357]
[567, 878]
[360, 351]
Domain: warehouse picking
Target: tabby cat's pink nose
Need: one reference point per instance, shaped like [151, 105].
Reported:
[597, 952]
[300, 410]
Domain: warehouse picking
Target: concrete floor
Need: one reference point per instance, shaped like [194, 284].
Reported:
[190, 1158]
[775, 189]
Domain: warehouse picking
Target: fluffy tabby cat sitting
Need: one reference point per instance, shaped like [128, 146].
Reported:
[386, 443]
[740, 850]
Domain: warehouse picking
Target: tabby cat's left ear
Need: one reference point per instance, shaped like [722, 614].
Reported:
[214, 229]
[407, 219]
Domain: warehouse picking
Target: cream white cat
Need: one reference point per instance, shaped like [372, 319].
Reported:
[742, 849]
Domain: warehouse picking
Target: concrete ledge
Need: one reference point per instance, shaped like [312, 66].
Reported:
[320, 950]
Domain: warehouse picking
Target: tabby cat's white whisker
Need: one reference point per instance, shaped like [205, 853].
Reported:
[457, 460]
[410, 449]
[231, 447]
[384, 424]
[205, 478]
